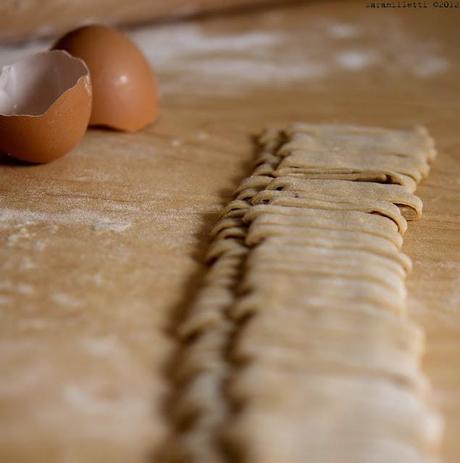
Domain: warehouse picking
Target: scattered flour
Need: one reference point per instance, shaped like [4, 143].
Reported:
[110, 225]
[187, 55]
[26, 263]
[24, 288]
[101, 346]
[90, 398]
[93, 279]
[17, 236]
[355, 60]
[176, 142]
[95, 220]
[431, 66]
[16, 287]
[65, 300]
[210, 62]
[343, 30]
[202, 135]
[183, 40]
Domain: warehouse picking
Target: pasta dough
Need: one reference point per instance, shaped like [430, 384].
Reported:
[298, 347]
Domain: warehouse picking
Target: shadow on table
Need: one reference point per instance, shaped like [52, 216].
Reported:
[190, 291]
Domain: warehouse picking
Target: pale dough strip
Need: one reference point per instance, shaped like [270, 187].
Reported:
[298, 347]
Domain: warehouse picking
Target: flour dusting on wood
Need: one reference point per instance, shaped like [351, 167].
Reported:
[189, 58]
[223, 62]
[9, 218]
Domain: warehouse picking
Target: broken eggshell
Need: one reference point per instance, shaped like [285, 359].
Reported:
[45, 106]
[124, 86]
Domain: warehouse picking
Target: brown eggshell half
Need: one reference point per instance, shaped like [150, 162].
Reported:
[124, 86]
[45, 106]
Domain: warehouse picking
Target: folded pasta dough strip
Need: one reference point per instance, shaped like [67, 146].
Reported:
[298, 346]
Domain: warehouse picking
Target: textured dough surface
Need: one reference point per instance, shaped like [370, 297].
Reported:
[300, 348]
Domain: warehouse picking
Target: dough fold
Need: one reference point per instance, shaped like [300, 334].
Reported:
[298, 347]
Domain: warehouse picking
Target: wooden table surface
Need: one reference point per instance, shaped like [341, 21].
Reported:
[103, 250]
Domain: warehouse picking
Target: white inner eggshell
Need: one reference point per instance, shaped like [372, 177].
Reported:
[30, 86]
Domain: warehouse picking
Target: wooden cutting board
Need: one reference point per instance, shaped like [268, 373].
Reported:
[44, 18]
[103, 250]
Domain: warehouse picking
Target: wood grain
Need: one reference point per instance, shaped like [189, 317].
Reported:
[41, 18]
[103, 250]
